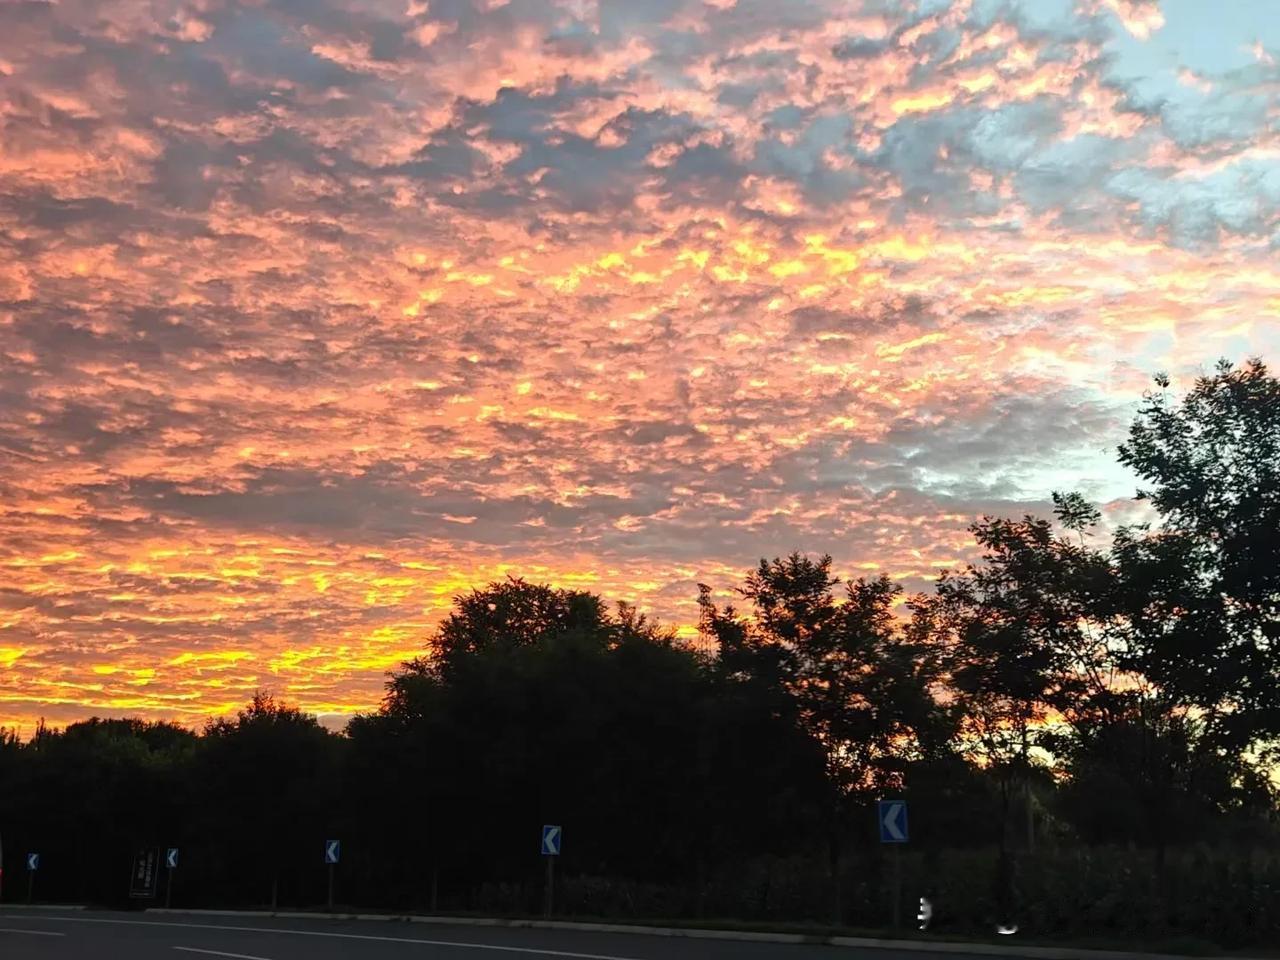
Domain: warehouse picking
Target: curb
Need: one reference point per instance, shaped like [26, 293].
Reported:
[922, 946]
[43, 906]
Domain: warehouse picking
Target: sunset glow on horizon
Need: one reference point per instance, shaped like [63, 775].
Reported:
[314, 315]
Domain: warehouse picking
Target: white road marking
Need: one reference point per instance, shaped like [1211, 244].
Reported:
[221, 953]
[461, 945]
[37, 933]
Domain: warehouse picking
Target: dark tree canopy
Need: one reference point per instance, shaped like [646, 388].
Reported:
[516, 613]
[1205, 581]
[851, 674]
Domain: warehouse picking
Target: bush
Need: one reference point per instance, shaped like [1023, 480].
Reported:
[1200, 897]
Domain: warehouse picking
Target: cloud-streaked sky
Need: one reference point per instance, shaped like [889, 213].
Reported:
[315, 313]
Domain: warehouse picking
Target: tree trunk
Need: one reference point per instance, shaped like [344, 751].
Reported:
[1159, 884]
[833, 854]
[1031, 817]
[837, 892]
[700, 895]
[1004, 865]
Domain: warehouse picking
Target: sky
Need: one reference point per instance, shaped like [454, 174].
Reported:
[316, 313]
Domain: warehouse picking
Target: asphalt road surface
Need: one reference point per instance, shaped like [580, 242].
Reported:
[125, 936]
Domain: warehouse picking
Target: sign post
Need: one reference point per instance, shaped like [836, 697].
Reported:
[146, 874]
[551, 836]
[33, 864]
[170, 864]
[332, 852]
[893, 829]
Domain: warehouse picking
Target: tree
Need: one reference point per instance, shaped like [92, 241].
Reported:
[1151, 776]
[267, 779]
[603, 722]
[844, 671]
[1205, 610]
[1023, 635]
[514, 612]
[87, 796]
[1023, 641]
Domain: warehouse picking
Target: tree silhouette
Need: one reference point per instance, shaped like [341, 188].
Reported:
[852, 678]
[1206, 608]
[267, 776]
[551, 709]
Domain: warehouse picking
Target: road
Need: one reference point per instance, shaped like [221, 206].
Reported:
[132, 936]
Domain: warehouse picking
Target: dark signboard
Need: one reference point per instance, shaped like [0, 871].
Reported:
[146, 869]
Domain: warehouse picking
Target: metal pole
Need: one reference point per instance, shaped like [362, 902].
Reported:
[168, 889]
[548, 892]
[31, 884]
[435, 887]
[331, 886]
[897, 886]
